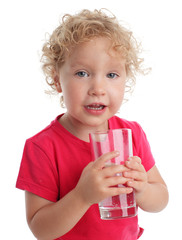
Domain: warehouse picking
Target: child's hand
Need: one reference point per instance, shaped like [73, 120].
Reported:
[98, 182]
[137, 174]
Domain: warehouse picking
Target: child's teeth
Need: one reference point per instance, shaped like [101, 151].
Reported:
[95, 107]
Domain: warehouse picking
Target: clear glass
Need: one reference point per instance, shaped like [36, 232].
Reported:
[124, 205]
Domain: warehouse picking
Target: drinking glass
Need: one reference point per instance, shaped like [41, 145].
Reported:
[123, 205]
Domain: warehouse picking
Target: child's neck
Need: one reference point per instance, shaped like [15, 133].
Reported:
[79, 130]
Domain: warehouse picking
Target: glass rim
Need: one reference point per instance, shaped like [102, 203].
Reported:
[111, 130]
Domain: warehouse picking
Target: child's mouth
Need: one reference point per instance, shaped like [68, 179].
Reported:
[96, 107]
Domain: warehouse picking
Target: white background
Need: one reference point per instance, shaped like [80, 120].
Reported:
[155, 104]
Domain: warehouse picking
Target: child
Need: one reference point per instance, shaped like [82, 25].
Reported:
[91, 59]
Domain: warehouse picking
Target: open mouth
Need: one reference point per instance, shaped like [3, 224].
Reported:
[96, 107]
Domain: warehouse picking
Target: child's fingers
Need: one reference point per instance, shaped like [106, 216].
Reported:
[115, 181]
[139, 176]
[112, 170]
[136, 159]
[137, 185]
[100, 162]
[135, 163]
[120, 190]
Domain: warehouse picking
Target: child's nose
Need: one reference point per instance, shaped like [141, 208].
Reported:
[97, 87]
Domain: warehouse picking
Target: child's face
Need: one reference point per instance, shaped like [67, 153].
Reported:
[92, 80]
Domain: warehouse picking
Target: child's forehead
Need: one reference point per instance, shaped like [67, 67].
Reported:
[95, 45]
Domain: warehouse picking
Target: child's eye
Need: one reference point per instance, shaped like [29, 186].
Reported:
[82, 74]
[112, 75]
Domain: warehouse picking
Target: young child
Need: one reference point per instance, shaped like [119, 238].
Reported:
[91, 59]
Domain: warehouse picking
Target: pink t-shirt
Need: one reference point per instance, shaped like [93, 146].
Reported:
[52, 163]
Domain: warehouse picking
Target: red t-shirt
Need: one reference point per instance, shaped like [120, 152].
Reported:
[52, 163]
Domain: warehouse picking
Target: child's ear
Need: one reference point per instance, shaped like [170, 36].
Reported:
[57, 83]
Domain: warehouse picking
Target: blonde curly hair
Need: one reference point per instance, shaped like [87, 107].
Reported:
[83, 26]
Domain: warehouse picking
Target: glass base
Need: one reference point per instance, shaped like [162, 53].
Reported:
[116, 213]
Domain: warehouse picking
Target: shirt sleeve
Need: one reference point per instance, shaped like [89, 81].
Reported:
[142, 148]
[38, 173]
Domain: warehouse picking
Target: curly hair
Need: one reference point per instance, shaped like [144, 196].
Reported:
[83, 26]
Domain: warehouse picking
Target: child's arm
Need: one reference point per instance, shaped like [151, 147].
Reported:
[151, 190]
[49, 220]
